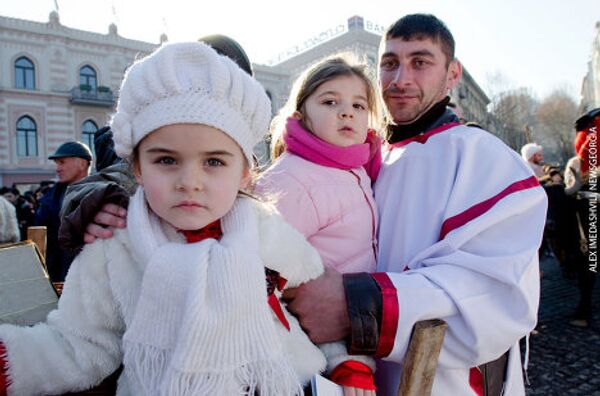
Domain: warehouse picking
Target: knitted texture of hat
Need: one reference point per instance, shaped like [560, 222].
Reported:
[189, 83]
[529, 150]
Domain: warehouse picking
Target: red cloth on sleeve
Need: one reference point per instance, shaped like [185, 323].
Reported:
[389, 316]
[4, 382]
[355, 374]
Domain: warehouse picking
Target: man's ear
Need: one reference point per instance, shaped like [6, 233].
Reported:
[454, 74]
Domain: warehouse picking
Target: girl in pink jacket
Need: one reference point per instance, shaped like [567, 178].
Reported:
[326, 158]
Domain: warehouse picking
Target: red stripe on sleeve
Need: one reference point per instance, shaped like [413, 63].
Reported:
[389, 316]
[477, 210]
[476, 381]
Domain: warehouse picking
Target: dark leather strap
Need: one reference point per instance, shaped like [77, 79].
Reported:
[494, 374]
[364, 301]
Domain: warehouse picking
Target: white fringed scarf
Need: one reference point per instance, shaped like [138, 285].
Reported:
[202, 325]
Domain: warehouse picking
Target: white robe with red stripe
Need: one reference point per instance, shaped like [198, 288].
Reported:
[461, 219]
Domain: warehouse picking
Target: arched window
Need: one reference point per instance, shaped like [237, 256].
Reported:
[24, 73]
[26, 137]
[87, 77]
[87, 133]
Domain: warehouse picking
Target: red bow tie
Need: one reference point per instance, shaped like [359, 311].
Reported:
[213, 230]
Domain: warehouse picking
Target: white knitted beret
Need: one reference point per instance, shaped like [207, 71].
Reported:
[189, 83]
[528, 150]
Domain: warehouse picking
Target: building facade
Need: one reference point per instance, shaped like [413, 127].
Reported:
[56, 84]
[590, 88]
[59, 84]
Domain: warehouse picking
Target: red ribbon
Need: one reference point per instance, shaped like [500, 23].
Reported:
[277, 310]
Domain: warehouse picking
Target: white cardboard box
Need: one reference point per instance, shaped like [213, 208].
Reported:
[26, 294]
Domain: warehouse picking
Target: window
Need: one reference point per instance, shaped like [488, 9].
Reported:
[24, 73]
[87, 133]
[87, 77]
[26, 137]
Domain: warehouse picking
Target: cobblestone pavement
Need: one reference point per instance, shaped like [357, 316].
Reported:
[563, 360]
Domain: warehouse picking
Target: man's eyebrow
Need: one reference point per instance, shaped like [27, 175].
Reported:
[388, 55]
[422, 52]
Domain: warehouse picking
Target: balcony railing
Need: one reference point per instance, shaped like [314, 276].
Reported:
[85, 95]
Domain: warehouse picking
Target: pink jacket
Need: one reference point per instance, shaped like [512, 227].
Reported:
[333, 208]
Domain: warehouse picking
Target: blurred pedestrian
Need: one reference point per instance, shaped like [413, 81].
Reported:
[533, 154]
[9, 228]
[583, 187]
[24, 209]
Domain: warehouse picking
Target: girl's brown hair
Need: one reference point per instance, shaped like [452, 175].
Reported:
[330, 68]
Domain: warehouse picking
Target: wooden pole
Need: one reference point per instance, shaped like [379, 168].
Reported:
[421, 358]
[38, 235]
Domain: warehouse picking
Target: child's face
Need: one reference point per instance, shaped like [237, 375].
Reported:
[337, 111]
[191, 174]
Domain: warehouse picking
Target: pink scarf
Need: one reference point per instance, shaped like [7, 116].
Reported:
[304, 144]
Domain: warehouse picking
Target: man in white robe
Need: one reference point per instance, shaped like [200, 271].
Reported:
[461, 219]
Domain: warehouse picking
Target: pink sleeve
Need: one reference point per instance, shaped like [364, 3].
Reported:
[292, 199]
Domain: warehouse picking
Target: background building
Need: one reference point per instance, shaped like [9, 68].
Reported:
[590, 89]
[59, 84]
[56, 84]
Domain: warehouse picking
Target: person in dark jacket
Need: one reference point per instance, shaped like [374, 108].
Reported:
[72, 161]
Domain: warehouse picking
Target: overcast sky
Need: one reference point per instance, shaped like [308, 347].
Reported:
[542, 45]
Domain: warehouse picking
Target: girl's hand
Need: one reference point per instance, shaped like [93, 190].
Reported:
[110, 215]
[351, 391]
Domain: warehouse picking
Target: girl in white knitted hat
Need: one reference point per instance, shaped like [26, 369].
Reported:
[179, 297]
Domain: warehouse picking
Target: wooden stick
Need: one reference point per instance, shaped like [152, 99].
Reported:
[38, 235]
[421, 358]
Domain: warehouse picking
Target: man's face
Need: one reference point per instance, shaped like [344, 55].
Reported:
[71, 169]
[413, 76]
[538, 158]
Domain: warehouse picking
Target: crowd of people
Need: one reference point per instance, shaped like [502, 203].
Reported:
[42, 206]
[571, 192]
[363, 225]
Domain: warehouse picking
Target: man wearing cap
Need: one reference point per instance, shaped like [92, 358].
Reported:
[72, 161]
[533, 154]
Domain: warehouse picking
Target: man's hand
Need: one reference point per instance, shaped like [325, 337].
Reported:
[110, 215]
[320, 306]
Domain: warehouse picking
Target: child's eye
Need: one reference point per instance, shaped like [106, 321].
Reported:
[165, 161]
[214, 162]
[329, 102]
[359, 106]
